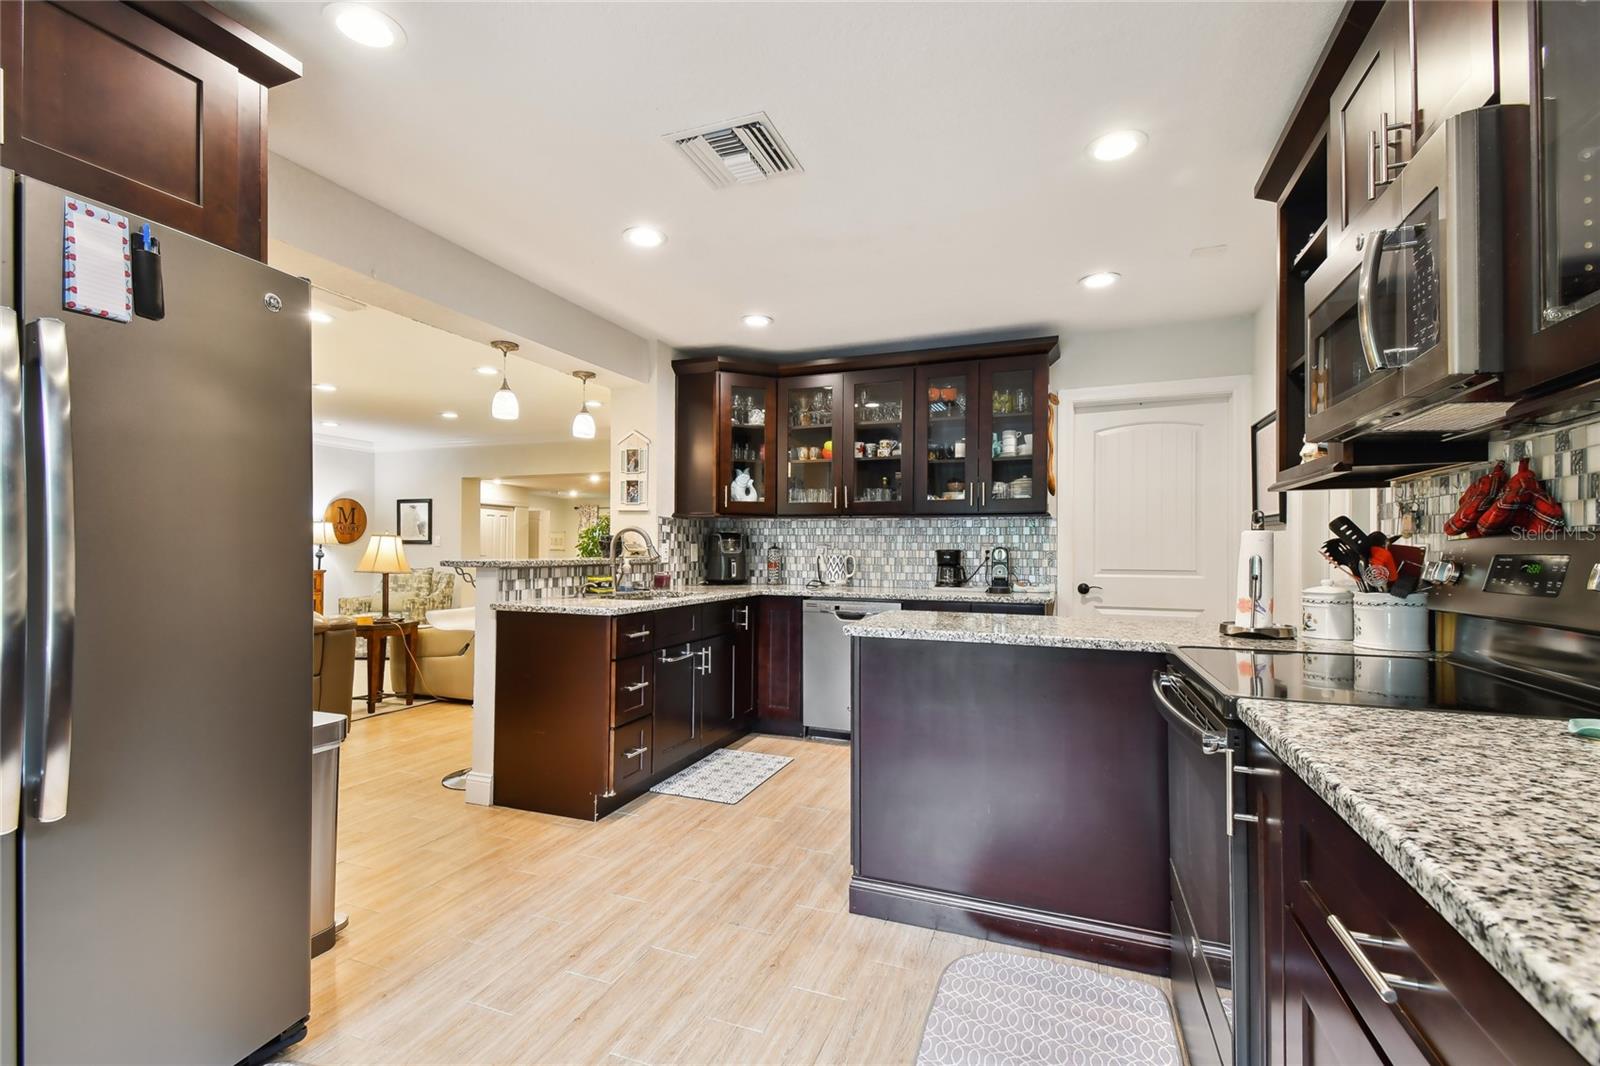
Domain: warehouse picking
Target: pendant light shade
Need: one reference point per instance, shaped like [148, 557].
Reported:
[504, 406]
[583, 421]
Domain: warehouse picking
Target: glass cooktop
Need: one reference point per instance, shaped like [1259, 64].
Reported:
[1378, 680]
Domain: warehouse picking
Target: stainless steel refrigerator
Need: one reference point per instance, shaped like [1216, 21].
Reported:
[155, 478]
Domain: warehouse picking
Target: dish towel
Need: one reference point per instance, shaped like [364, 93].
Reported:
[1584, 727]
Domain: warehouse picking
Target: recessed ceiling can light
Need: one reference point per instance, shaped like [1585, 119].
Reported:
[757, 320]
[449, 416]
[330, 425]
[594, 479]
[592, 404]
[325, 386]
[366, 25]
[644, 236]
[1102, 279]
[321, 318]
[1118, 144]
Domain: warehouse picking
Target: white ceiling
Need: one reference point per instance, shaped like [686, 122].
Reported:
[394, 376]
[946, 186]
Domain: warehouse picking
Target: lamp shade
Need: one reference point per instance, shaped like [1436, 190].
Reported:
[322, 533]
[504, 406]
[384, 555]
[583, 425]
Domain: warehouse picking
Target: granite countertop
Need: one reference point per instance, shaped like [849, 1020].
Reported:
[1056, 631]
[695, 594]
[1491, 819]
[514, 564]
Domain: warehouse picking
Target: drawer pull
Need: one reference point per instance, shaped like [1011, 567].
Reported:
[638, 635]
[637, 686]
[635, 753]
[676, 658]
[1375, 978]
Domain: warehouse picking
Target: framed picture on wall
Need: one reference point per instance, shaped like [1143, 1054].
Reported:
[632, 492]
[414, 520]
[1263, 469]
[633, 463]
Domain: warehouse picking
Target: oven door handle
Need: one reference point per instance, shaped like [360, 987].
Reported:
[1211, 741]
[1366, 296]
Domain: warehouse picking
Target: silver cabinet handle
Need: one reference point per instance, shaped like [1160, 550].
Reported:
[637, 686]
[983, 494]
[47, 782]
[1254, 771]
[634, 753]
[1251, 818]
[724, 497]
[847, 497]
[1211, 742]
[744, 618]
[688, 654]
[1378, 980]
[636, 635]
[969, 494]
[836, 497]
[13, 572]
[705, 664]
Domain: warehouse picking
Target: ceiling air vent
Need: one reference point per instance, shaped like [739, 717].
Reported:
[739, 152]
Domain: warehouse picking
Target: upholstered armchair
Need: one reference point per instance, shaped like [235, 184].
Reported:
[333, 663]
[445, 655]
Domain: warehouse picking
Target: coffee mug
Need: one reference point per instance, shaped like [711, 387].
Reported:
[861, 449]
[1008, 442]
[961, 449]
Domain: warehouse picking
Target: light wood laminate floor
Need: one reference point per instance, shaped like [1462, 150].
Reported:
[675, 931]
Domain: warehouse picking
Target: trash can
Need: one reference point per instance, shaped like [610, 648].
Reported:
[327, 733]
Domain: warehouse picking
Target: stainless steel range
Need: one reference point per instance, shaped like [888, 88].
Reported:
[1516, 631]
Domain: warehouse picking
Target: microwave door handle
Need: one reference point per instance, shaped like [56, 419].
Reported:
[46, 347]
[13, 572]
[1366, 294]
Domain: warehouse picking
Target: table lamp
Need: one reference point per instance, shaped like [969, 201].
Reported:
[322, 533]
[384, 555]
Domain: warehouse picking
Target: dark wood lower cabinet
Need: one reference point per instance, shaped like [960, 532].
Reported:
[1315, 878]
[677, 671]
[1012, 793]
[779, 665]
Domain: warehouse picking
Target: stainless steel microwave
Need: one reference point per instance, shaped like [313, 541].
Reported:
[1405, 329]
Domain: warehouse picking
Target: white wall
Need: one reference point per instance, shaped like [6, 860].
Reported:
[342, 471]
[449, 476]
[1175, 351]
[648, 409]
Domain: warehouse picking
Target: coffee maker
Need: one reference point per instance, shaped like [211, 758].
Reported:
[947, 570]
[724, 558]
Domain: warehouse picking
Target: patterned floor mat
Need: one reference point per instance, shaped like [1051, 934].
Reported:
[999, 1008]
[724, 776]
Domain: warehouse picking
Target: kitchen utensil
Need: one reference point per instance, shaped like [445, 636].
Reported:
[1408, 569]
[1352, 535]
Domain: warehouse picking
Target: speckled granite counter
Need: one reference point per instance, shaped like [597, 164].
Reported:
[1054, 631]
[600, 605]
[1491, 819]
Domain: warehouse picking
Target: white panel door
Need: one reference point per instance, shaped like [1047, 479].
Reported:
[1151, 491]
[497, 536]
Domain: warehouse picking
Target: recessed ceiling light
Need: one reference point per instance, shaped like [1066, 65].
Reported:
[594, 479]
[330, 425]
[365, 24]
[449, 415]
[325, 386]
[644, 236]
[1102, 279]
[321, 318]
[572, 492]
[1118, 144]
[488, 371]
[757, 320]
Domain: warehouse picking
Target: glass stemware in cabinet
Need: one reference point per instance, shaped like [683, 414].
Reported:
[947, 438]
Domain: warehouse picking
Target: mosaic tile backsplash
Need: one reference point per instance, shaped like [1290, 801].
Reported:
[888, 551]
[551, 580]
[1566, 460]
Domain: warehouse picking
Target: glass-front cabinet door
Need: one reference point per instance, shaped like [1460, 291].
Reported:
[877, 441]
[1012, 408]
[809, 480]
[746, 449]
[946, 431]
[1567, 124]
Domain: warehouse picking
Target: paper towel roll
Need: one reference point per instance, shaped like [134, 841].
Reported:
[1254, 611]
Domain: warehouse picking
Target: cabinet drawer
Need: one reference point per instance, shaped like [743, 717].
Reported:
[1449, 1005]
[730, 616]
[633, 634]
[679, 625]
[632, 688]
[630, 754]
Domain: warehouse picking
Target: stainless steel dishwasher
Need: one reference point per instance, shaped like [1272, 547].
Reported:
[827, 662]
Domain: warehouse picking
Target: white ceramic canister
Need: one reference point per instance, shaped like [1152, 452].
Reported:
[1390, 624]
[1326, 613]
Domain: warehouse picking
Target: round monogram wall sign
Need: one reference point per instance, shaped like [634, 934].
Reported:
[349, 519]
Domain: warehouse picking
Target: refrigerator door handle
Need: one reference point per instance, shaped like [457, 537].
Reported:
[46, 782]
[13, 572]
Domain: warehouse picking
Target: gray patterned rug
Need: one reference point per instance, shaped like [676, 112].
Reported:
[998, 1008]
[724, 776]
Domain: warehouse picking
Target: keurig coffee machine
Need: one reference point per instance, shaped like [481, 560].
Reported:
[724, 559]
[947, 570]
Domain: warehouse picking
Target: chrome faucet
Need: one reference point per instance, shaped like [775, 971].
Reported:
[618, 565]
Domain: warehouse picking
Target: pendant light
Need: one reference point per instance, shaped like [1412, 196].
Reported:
[583, 421]
[504, 406]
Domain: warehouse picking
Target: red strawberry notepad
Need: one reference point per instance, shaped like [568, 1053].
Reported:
[97, 262]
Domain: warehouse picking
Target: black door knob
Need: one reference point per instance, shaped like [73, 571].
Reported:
[1084, 588]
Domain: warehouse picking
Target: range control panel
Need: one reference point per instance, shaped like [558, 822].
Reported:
[1527, 575]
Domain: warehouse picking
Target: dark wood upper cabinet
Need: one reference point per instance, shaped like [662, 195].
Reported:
[1013, 456]
[810, 415]
[154, 109]
[727, 446]
[1365, 107]
[1452, 66]
[946, 434]
[878, 440]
